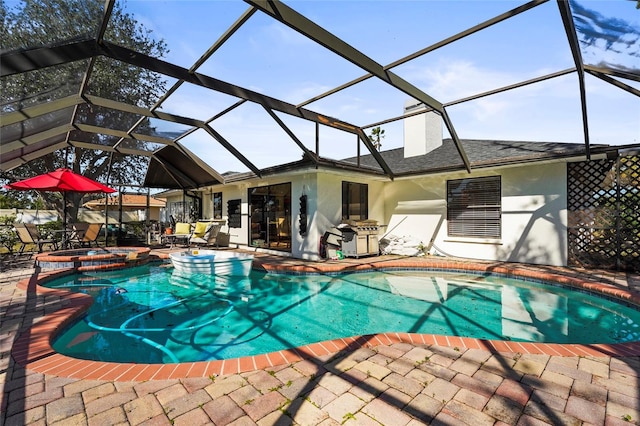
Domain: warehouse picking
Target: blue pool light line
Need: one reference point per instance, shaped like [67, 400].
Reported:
[129, 331]
[123, 326]
[152, 343]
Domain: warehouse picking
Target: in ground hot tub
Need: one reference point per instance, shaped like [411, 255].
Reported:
[93, 258]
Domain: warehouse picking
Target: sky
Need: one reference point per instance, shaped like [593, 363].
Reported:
[267, 57]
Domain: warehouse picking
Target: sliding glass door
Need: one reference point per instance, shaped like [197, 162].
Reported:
[270, 216]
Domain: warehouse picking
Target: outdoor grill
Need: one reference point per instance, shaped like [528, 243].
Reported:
[359, 238]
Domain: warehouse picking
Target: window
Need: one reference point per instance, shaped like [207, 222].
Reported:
[217, 205]
[235, 213]
[355, 201]
[474, 207]
[178, 210]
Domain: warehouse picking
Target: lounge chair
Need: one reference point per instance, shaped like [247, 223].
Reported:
[28, 233]
[85, 234]
[183, 232]
[205, 234]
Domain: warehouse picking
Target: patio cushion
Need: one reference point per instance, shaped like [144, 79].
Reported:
[183, 228]
[209, 237]
[201, 228]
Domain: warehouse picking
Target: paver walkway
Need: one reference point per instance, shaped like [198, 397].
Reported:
[389, 384]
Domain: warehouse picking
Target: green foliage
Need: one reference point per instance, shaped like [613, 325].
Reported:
[16, 200]
[31, 23]
[618, 204]
[348, 416]
[47, 229]
[376, 136]
[8, 237]
[136, 228]
[8, 220]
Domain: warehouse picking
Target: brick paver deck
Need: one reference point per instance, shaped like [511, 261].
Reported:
[397, 379]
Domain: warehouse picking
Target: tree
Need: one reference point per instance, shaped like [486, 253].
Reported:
[376, 136]
[33, 23]
[15, 200]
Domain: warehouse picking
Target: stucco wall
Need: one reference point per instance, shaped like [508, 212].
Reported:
[306, 246]
[237, 236]
[324, 206]
[207, 205]
[330, 199]
[534, 217]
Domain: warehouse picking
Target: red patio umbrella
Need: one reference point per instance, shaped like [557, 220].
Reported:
[62, 180]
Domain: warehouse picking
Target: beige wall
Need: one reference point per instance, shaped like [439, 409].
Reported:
[329, 210]
[324, 206]
[31, 216]
[534, 216]
[330, 198]
[305, 247]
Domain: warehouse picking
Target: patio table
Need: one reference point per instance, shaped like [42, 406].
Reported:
[173, 239]
[64, 236]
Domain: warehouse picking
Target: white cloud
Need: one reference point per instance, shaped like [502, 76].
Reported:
[280, 33]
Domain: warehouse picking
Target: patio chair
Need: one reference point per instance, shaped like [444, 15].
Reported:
[183, 232]
[85, 234]
[205, 234]
[28, 233]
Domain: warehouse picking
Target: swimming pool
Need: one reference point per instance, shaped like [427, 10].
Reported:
[161, 317]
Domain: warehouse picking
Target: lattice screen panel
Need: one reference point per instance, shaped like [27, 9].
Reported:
[603, 200]
[629, 229]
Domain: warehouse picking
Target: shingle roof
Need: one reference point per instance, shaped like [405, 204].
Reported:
[481, 153]
[129, 200]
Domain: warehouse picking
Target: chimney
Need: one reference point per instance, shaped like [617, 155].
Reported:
[422, 132]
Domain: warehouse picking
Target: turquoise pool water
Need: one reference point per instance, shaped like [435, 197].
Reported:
[150, 314]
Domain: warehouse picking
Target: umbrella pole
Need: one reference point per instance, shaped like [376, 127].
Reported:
[64, 220]
[106, 220]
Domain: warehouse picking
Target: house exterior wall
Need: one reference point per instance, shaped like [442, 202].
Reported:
[534, 212]
[207, 205]
[304, 247]
[329, 213]
[534, 215]
[154, 213]
[237, 236]
[324, 206]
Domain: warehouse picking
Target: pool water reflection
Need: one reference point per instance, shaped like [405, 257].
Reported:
[150, 314]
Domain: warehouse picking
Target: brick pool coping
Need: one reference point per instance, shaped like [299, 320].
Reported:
[33, 348]
[102, 260]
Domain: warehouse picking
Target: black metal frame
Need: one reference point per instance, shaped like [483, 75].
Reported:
[24, 149]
